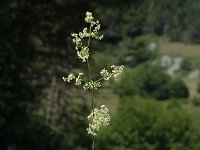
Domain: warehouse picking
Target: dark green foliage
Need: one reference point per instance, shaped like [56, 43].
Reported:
[129, 52]
[198, 87]
[178, 88]
[150, 80]
[148, 125]
[176, 19]
[146, 80]
[137, 51]
[32, 45]
[196, 101]
[186, 65]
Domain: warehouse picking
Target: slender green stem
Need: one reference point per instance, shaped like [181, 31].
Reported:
[89, 72]
[91, 91]
[93, 143]
[89, 36]
[92, 95]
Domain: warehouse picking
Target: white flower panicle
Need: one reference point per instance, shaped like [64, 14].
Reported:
[91, 85]
[117, 70]
[105, 74]
[98, 118]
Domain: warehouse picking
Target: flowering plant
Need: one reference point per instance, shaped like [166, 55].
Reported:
[98, 117]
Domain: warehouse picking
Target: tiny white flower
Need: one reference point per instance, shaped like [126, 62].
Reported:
[74, 34]
[100, 37]
[65, 79]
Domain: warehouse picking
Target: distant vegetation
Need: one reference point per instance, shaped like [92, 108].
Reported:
[149, 80]
[149, 124]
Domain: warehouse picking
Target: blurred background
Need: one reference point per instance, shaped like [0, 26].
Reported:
[155, 105]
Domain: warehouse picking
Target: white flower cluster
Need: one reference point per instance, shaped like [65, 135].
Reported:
[83, 54]
[83, 51]
[91, 85]
[105, 74]
[71, 76]
[116, 71]
[98, 118]
[90, 19]
[78, 79]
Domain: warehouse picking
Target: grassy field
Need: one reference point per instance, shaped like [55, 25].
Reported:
[108, 98]
[179, 49]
